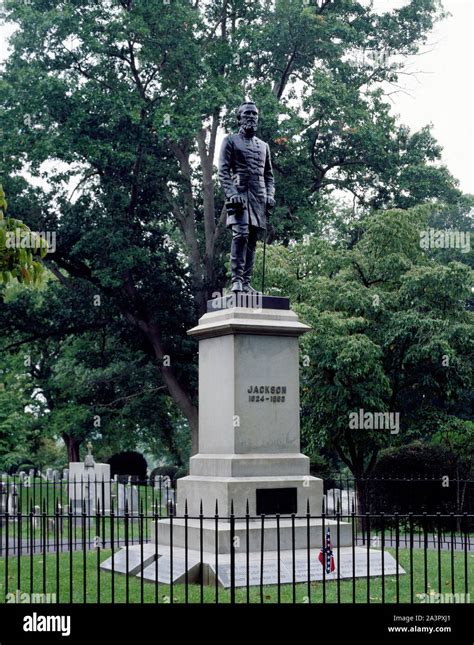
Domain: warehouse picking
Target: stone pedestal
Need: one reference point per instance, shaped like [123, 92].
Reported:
[249, 464]
[249, 429]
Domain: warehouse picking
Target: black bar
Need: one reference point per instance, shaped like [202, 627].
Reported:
[308, 552]
[201, 554]
[232, 554]
[367, 520]
[410, 520]
[216, 525]
[382, 527]
[293, 557]
[262, 544]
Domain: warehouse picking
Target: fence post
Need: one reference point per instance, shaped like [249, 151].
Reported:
[232, 554]
[216, 531]
[308, 552]
[201, 553]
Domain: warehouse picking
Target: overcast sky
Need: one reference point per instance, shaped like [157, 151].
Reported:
[440, 92]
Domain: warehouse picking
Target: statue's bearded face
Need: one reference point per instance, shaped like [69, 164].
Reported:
[249, 118]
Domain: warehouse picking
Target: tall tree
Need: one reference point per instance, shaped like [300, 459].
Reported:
[391, 334]
[130, 97]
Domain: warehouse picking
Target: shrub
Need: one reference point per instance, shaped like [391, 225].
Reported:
[173, 472]
[128, 464]
[410, 479]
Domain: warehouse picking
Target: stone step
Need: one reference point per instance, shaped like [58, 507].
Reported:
[289, 538]
[284, 567]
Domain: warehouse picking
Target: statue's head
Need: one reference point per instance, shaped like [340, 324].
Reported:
[247, 117]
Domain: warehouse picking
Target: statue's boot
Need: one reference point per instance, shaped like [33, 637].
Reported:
[238, 253]
[249, 262]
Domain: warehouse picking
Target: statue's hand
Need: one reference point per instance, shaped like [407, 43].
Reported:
[270, 202]
[237, 199]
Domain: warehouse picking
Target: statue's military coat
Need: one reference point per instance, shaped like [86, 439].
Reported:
[245, 168]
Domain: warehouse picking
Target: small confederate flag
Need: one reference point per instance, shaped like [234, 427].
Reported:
[326, 556]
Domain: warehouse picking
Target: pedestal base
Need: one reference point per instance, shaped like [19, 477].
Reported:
[284, 494]
[216, 537]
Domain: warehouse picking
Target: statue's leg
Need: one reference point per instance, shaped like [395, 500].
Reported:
[250, 258]
[238, 252]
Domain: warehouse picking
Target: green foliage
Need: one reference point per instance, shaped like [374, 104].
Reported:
[391, 333]
[18, 248]
[443, 471]
[129, 98]
[418, 460]
[90, 373]
[16, 413]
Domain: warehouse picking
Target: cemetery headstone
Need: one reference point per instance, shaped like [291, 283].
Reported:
[89, 482]
[13, 500]
[3, 501]
[127, 499]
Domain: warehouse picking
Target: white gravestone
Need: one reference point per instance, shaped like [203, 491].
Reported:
[128, 498]
[13, 499]
[89, 485]
[3, 499]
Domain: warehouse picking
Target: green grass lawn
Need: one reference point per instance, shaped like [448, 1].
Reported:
[51, 575]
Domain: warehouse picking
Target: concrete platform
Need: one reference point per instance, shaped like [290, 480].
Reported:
[285, 567]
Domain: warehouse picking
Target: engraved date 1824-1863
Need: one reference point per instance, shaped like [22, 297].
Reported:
[271, 393]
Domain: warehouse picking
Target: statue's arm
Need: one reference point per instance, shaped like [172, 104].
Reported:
[225, 169]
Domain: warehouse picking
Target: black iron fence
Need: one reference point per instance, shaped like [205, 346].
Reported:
[371, 494]
[38, 494]
[150, 554]
[402, 494]
[424, 498]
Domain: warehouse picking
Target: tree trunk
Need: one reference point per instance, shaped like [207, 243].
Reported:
[72, 446]
[179, 394]
[139, 316]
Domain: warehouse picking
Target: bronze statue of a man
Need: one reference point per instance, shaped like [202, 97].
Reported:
[246, 176]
